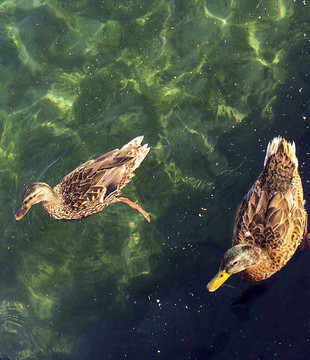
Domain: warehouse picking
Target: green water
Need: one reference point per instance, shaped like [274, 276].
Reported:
[208, 83]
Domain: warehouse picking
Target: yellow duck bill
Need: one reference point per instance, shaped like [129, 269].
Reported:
[22, 212]
[218, 280]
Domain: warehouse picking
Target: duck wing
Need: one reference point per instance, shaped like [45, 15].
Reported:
[272, 214]
[263, 219]
[95, 180]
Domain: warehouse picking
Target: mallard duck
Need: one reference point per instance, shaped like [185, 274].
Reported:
[270, 222]
[90, 187]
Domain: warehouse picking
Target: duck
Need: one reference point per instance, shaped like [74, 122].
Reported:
[271, 220]
[89, 188]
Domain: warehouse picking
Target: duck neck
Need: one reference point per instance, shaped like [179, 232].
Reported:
[48, 194]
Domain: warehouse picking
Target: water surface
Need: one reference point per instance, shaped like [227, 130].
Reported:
[208, 83]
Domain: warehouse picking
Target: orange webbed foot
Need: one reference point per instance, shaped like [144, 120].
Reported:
[134, 205]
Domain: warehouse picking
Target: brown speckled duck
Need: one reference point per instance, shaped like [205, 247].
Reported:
[89, 188]
[270, 222]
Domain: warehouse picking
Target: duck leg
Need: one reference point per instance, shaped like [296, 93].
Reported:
[134, 205]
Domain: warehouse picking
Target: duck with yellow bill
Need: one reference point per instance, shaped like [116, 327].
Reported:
[271, 220]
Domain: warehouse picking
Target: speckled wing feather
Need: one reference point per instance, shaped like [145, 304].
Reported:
[94, 180]
[262, 220]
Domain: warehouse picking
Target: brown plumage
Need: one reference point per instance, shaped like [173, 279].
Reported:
[271, 220]
[89, 188]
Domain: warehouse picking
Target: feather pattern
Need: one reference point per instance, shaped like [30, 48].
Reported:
[90, 187]
[273, 211]
[271, 219]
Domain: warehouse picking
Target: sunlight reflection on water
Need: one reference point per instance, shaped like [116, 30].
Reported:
[208, 83]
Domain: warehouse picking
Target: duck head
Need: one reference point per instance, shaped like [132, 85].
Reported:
[33, 194]
[235, 260]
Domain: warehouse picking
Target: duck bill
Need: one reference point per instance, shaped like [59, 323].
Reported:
[218, 280]
[22, 212]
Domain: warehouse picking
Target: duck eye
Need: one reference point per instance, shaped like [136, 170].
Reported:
[235, 262]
